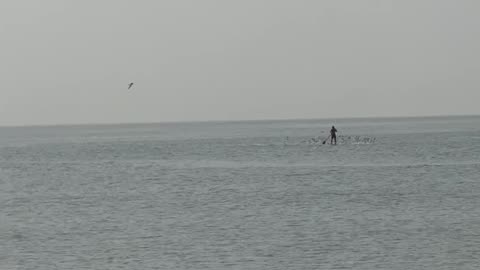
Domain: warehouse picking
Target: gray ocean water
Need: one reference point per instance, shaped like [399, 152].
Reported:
[394, 194]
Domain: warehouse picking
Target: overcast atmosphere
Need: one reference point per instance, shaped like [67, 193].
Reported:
[68, 62]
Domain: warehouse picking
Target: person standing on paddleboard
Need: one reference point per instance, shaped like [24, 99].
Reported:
[333, 135]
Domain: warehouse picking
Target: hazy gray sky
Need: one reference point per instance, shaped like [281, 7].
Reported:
[70, 61]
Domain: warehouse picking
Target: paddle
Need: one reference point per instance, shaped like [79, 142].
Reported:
[324, 142]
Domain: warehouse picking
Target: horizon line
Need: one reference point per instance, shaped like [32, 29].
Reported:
[237, 121]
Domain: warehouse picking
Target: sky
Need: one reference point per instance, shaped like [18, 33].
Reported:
[70, 61]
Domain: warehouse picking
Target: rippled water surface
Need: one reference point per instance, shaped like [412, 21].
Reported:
[394, 194]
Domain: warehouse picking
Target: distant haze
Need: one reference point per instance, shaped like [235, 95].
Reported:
[70, 61]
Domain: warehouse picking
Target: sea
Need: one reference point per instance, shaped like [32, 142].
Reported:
[394, 193]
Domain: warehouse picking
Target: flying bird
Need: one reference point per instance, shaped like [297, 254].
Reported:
[130, 85]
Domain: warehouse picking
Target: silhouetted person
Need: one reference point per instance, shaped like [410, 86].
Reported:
[333, 135]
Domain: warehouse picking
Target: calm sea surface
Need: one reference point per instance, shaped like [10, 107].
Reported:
[394, 194]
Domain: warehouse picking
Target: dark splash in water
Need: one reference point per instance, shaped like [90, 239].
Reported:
[340, 140]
